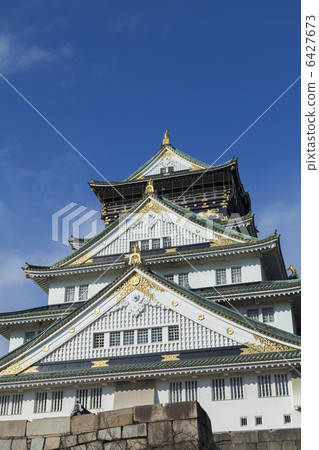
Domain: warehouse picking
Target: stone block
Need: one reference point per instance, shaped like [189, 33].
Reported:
[136, 430]
[136, 444]
[262, 446]
[170, 411]
[18, 444]
[115, 418]
[160, 433]
[52, 443]
[5, 444]
[81, 424]
[222, 438]
[109, 434]
[68, 441]
[79, 447]
[185, 430]
[118, 445]
[244, 437]
[289, 445]
[274, 445]
[46, 427]
[37, 444]
[86, 437]
[251, 446]
[190, 445]
[13, 428]
[287, 434]
[96, 445]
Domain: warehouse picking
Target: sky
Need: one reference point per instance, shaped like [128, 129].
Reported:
[111, 76]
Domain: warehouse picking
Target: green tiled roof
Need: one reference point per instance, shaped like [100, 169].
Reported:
[148, 367]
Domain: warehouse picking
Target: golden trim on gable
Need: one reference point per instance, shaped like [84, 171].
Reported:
[265, 346]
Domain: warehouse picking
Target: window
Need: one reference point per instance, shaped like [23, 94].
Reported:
[83, 292]
[243, 421]
[145, 245]
[183, 279]
[236, 385]
[41, 402]
[128, 337]
[115, 338]
[175, 390]
[173, 333]
[219, 389]
[167, 242]
[236, 274]
[253, 313]
[221, 276]
[82, 396]
[69, 293]
[281, 384]
[268, 315]
[259, 420]
[57, 400]
[17, 402]
[264, 386]
[142, 336]
[170, 169]
[132, 245]
[96, 398]
[4, 405]
[191, 390]
[287, 418]
[29, 335]
[163, 169]
[157, 334]
[156, 243]
[169, 277]
[98, 340]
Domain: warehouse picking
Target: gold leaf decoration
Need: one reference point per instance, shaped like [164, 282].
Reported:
[103, 363]
[174, 303]
[81, 260]
[265, 346]
[16, 368]
[151, 205]
[171, 357]
[201, 317]
[229, 331]
[96, 311]
[140, 283]
[32, 369]
[46, 348]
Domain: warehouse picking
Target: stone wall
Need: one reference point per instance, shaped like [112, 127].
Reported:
[177, 426]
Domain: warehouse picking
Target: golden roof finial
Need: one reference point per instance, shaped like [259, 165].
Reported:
[135, 256]
[294, 273]
[149, 187]
[166, 138]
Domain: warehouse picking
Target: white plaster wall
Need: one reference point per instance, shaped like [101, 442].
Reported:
[16, 339]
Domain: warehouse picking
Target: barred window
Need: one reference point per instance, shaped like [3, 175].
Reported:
[236, 275]
[98, 340]
[220, 276]
[175, 390]
[281, 384]
[259, 420]
[253, 313]
[4, 405]
[236, 385]
[219, 389]
[173, 333]
[142, 336]
[264, 386]
[57, 401]
[132, 245]
[82, 397]
[40, 405]
[156, 243]
[183, 279]
[17, 402]
[83, 292]
[69, 294]
[191, 390]
[169, 276]
[287, 418]
[145, 245]
[29, 335]
[243, 421]
[167, 242]
[96, 398]
[157, 334]
[128, 337]
[115, 338]
[268, 315]
[163, 169]
[170, 169]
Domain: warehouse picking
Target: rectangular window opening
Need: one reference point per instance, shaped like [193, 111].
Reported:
[264, 386]
[98, 340]
[268, 315]
[115, 338]
[57, 401]
[69, 294]
[142, 336]
[183, 279]
[156, 243]
[167, 241]
[17, 402]
[175, 389]
[96, 398]
[169, 276]
[173, 333]
[281, 384]
[41, 402]
[243, 421]
[287, 418]
[157, 334]
[221, 276]
[259, 420]
[236, 275]
[236, 385]
[253, 313]
[218, 389]
[4, 405]
[128, 337]
[83, 292]
[145, 245]
[191, 390]
[29, 335]
[82, 397]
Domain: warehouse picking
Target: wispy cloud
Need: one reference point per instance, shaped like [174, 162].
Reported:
[17, 55]
[129, 23]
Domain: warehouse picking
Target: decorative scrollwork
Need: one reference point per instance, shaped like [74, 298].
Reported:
[265, 346]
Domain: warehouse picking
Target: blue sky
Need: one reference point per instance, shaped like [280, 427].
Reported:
[111, 76]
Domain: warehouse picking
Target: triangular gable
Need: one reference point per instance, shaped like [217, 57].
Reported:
[252, 336]
[168, 156]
